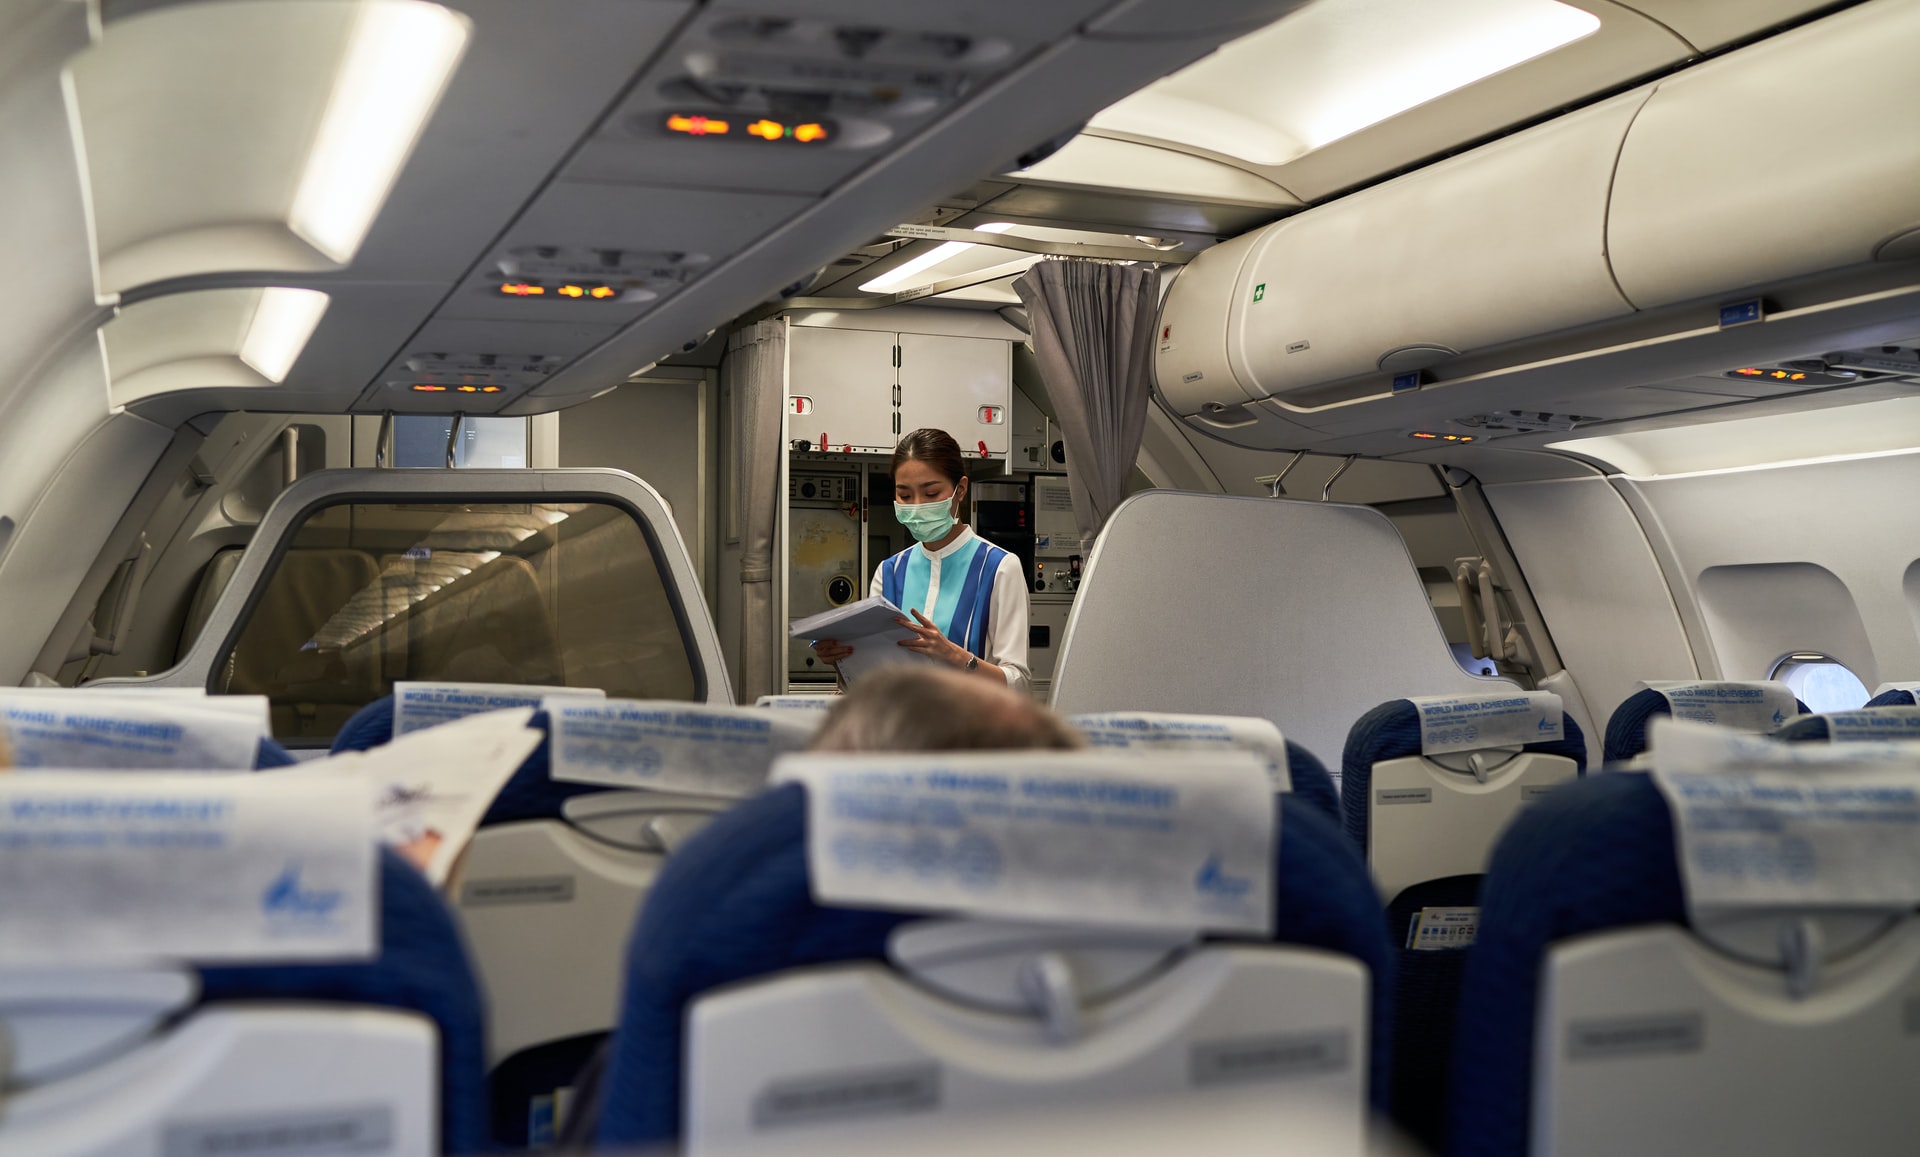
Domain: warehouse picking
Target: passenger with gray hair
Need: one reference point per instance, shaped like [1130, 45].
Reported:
[925, 708]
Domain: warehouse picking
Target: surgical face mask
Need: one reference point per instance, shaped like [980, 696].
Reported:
[926, 521]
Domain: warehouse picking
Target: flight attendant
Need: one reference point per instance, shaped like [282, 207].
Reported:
[966, 596]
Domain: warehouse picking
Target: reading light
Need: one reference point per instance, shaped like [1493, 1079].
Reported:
[397, 64]
[282, 322]
[902, 274]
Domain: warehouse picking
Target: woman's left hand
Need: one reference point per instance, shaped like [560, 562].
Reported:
[929, 641]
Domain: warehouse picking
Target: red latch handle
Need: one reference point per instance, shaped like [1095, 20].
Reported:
[983, 450]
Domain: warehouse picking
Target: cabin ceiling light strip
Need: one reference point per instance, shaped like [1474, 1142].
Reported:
[1336, 67]
[281, 325]
[905, 274]
[397, 63]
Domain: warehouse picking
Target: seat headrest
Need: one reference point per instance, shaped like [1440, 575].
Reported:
[1392, 731]
[735, 903]
[1627, 729]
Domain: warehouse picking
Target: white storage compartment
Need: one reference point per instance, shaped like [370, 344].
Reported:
[840, 383]
[1504, 243]
[1794, 156]
[963, 385]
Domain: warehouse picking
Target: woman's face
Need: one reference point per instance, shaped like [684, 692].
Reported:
[916, 482]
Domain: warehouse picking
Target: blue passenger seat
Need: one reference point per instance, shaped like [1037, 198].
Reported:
[1427, 857]
[379, 1055]
[735, 906]
[1895, 697]
[1596, 1019]
[1627, 730]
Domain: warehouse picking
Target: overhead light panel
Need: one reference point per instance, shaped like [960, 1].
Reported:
[398, 61]
[281, 325]
[1335, 67]
[907, 273]
[250, 138]
[208, 339]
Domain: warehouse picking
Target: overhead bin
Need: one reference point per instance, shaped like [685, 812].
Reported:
[1793, 156]
[1490, 247]
[1780, 161]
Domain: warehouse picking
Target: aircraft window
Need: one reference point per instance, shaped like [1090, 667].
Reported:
[485, 443]
[366, 593]
[1822, 682]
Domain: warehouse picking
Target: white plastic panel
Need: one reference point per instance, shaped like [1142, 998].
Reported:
[1506, 242]
[1309, 614]
[1452, 829]
[1758, 167]
[855, 1058]
[842, 380]
[947, 382]
[1710, 24]
[1651, 1044]
[524, 889]
[239, 1080]
[1598, 584]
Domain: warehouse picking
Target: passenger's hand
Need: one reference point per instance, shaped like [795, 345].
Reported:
[929, 641]
[831, 651]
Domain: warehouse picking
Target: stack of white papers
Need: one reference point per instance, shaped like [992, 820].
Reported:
[871, 627]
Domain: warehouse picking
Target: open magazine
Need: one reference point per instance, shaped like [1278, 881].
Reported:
[870, 627]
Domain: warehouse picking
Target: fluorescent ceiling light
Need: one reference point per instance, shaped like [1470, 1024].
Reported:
[903, 275]
[397, 63]
[281, 325]
[1335, 67]
[1839, 433]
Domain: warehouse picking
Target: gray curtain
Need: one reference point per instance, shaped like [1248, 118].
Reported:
[755, 370]
[1093, 336]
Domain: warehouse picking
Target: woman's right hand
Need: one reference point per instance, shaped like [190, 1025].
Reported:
[831, 651]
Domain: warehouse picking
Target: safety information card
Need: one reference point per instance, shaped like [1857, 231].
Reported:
[1741, 706]
[422, 705]
[1083, 838]
[1450, 723]
[116, 869]
[1768, 824]
[86, 730]
[670, 746]
[1148, 731]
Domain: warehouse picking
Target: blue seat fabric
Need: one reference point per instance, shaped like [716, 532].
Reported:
[369, 727]
[1893, 699]
[1806, 729]
[1595, 855]
[1311, 781]
[270, 755]
[1427, 984]
[422, 967]
[1627, 730]
[734, 904]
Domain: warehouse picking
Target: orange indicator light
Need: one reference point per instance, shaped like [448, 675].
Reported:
[423, 388]
[1750, 372]
[697, 126]
[809, 133]
[571, 291]
[767, 130]
[489, 389]
[1426, 435]
[523, 289]
[602, 292]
